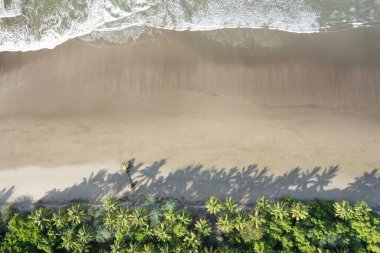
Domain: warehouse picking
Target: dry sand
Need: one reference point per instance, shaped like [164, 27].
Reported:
[304, 101]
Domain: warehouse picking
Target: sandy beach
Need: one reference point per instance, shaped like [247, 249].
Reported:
[200, 117]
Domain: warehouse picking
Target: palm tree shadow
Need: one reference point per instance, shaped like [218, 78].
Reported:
[366, 187]
[194, 183]
[5, 194]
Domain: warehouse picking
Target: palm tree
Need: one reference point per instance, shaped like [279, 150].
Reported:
[279, 210]
[343, 210]
[132, 248]
[183, 217]
[127, 167]
[59, 218]
[239, 221]
[139, 217]
[213, 205]
[69, 240]
[123, 217]
[230, 205]
[86, 234]
[262, 204]
[109, 221]
[118, 246]
[192, 241]
[203, 226]
[299, 211]
[362, 208]
[170, 216]
[41, 217]
[110, 204]
[77, 214]
[256, 219]
[162, 233]
[148, 248]
[225, 224]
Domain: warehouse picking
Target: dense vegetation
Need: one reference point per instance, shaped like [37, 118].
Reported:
[285, 225]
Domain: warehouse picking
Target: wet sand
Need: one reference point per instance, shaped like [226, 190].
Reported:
[283, 101]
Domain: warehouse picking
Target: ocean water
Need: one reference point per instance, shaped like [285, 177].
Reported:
[36, 24]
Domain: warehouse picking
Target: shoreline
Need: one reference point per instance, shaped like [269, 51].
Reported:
[292, 101]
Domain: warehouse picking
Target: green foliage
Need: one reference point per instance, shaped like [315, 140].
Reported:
[214, 205]
[6, 213]
[299, 211]
[279, 210]
[110, 205]
[230, 205]
[203, 227]
[156, 226]
[343, 210]
[77, 214]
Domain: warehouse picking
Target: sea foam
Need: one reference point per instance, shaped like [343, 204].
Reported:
[36, 24]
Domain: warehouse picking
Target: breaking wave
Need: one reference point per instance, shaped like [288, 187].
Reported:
[35, 24]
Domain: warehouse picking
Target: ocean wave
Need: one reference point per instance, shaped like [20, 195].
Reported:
[35, 24]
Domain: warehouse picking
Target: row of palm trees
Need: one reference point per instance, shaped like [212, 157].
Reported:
[286, 225]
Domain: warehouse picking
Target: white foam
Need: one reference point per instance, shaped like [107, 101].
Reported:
[102, 19]
[13, 10]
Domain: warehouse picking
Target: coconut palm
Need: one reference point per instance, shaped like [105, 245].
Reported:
[132, 248]
[262, 204]
[41, 217]
[299, 211]
[362, 208]
[86, 234]
[170, 216]
[256, 219]
[69, 240]
[183, 217]
[343, 210]
[148, 248]
[213, 205]
[77, 214]
[59, 218]
[162, 233]
[127, 167]
[279, 210]
[118, 246]
[110, 204]
[139, 217]
[192, 241]
[123, 217]
[225, 224]
[239, 220]
[203, 227]
[230, 205]
[109, 221]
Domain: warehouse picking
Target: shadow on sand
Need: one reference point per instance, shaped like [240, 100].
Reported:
[5, 194]
[195, 183]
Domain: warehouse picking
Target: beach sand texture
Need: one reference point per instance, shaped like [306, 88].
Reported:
[283, 101]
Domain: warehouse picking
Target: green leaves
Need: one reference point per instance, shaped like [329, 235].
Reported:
[86, 234]
[279, 210]
[230, 205]
[362, 208]
[59, 219]
[77, 214]
[256, 219]
[343, 210]
[110, 205]
[225, 224]
[214, 205]
[299, 211]
[272, 226]
[204, 227]
[41, 217]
